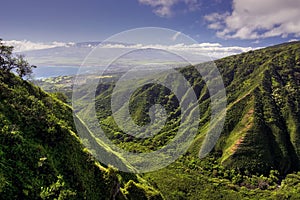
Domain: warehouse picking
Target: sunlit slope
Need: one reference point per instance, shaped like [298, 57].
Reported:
[41, 155]
[261, 131]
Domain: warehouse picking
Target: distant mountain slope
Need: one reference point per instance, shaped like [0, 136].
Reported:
[260, 136]
[261, 131]
[41, 156]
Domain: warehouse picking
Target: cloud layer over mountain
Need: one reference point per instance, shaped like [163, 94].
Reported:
[59, 49]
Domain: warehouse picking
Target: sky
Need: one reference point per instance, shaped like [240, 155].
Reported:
[243, 23]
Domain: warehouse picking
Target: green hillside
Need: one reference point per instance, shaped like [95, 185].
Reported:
[41, 157]
[265, 133]
[261, 128]
[260, 138]
[256, 156]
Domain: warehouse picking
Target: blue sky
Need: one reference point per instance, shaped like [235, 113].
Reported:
[245, 23]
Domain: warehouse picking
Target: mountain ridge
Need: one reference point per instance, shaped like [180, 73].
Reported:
[259, 145]
[43, 158]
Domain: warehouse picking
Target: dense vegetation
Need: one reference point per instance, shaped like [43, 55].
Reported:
[259, 144]
[41, 157]
[256, 157]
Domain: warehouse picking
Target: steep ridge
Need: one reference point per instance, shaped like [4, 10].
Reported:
[271, 140]
[259, 144]
[261, 131]
[41, 157]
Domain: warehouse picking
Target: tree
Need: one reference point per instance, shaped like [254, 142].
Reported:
[17, 63]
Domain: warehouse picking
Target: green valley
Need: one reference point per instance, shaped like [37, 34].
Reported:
[256, 157]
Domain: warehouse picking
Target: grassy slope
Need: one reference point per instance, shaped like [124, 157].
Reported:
[255, 138]
[41, 156]
[261, 132]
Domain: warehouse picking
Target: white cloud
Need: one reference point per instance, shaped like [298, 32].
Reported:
[214, 50]
[25, 45]
[215, 17]
[216, 20]
[255, 19]
[164, 8]
[293, 40]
